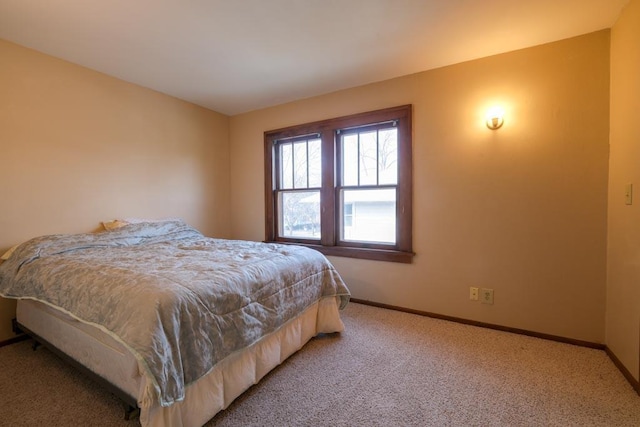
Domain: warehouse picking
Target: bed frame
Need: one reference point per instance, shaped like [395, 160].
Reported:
[130, 404]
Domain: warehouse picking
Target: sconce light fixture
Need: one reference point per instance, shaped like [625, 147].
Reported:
[495, 118]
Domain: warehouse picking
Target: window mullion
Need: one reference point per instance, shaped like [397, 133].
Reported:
[277, 161]
[306, 144]
[327, 195]
[377, 156]
[293, 166]
[358, 166]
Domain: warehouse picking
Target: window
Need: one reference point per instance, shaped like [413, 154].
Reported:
[343, 186]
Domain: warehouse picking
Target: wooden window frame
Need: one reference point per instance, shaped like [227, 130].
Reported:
[329, 243]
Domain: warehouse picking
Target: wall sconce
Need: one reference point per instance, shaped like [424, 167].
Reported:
[495, 118]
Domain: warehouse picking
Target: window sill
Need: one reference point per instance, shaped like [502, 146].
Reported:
[360, 253]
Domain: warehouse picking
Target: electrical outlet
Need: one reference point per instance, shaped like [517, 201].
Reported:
[486, 296]
[473, 293]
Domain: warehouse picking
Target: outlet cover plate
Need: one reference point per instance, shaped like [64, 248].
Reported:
[486, 296]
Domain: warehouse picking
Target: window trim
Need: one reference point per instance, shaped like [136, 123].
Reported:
[329, 215]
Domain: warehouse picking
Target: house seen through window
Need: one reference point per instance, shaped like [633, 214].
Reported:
[343, 186]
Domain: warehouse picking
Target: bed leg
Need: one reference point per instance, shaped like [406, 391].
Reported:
[35, 345]
[15, 328]
[130, 412]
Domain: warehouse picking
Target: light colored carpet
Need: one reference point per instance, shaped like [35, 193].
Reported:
[387, 369]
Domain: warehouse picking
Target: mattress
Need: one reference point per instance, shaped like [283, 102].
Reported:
[212, 393]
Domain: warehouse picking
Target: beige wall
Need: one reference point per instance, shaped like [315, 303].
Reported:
[521, 210]
[623, 282]
[78, 147]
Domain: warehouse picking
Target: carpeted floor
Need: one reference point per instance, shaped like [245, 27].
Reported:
[387, 369]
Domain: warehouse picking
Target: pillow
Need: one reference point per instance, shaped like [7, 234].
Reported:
[114, 224]
[8, 253]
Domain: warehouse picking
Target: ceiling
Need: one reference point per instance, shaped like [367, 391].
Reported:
[234, 56]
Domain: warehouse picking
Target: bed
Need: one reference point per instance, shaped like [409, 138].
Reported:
[177, 323]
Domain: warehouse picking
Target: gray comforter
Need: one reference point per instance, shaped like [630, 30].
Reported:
[180, 301]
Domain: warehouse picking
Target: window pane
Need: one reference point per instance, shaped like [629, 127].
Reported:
[350, 159]
[315, 164]
[300, 164]
[368, 158]
[286, 166]
[299, 214]
[388, 156]
[369, 216]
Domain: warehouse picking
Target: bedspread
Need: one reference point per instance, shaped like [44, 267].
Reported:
[178, 300]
